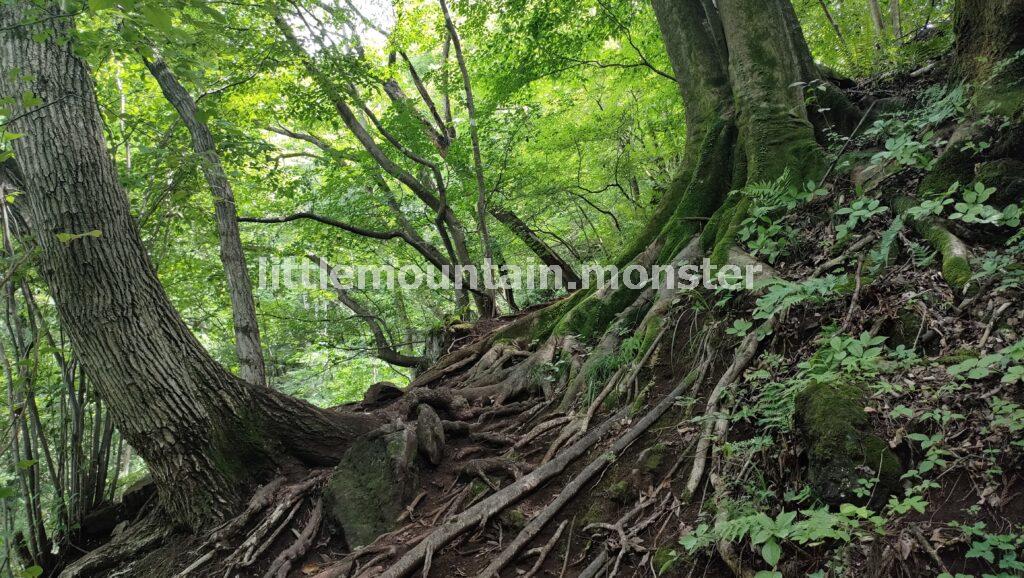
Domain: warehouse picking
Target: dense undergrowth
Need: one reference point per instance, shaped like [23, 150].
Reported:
[934, 369]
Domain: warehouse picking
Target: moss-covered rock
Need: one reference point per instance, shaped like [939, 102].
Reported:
[906, 328]
[430, 437]
[621, 492]
[840, 445]
[512, 519]
[956, 165]
[368, 489]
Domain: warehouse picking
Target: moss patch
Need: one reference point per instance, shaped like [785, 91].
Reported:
[653, 459]
[370, 486]
[840, 445]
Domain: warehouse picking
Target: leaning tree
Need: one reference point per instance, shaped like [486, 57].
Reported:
[205, 434]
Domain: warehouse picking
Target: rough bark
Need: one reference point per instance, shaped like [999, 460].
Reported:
[695, 43]
[203, 432]
[765, 68]
[232, 257]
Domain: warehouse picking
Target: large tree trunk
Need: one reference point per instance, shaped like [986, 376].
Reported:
[243, 307]
[739, 64]
[989, 33]
[765, 68]
[204, 433]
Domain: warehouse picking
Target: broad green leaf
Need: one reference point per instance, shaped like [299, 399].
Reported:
[158, 17]
[771, 552]
[97, 5]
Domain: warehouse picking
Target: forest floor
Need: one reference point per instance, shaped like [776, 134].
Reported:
[941, 405]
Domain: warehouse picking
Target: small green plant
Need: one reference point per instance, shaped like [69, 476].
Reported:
[806, 527]
[862, 355]
[906, 150]
[781, 294]
[1007, 361]
[1009, 417]
[860, 211]
[973, 209]
[1000, 550]
[761, 231]
[740, 328]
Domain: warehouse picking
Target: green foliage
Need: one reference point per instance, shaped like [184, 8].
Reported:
[860, 211]
[1000, 550]
[739, 328]
[781, 294]
[809, 527]
[862, 356]
[1008, 361]
[909, 136]
[763, 231]
[972, 209]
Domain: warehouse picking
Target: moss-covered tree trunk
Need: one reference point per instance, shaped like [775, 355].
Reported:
[740, 65]
[989, 41]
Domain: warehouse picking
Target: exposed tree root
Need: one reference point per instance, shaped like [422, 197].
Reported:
[726, 549]
[282, 564]
[570, 490]
[487, 508]
[956, 266]
[543, 551]
[484, 466]
[140, 538]
[744, 355]
[286, 505]
[596, 566]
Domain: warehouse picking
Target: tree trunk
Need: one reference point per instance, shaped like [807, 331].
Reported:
[765, 67]
[205, 434]
[243, 306]
[895, 19]
[988, 35]
[547, 255]
[478, 165]
[740, 65]
[877, 19]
